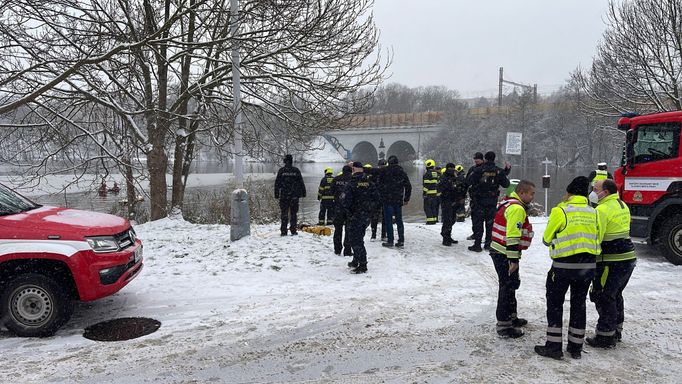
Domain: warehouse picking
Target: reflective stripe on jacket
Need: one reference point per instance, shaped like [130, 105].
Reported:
[512, 232]
[572, 229]
[430, 182]
[614, 230]
[324, 192]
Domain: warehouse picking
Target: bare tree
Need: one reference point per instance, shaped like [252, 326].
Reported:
[163, 68]
[639, 61]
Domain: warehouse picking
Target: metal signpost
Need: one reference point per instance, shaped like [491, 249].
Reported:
[545, 181]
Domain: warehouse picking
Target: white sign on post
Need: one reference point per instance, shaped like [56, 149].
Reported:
[514, 141]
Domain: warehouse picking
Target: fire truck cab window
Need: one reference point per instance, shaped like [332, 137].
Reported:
[656, 142]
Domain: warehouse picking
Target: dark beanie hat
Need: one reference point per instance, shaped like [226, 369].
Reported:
[490, 156]
[393, 159]
[579, 186]
[478, 156]
[357, 164]
[346, 169]
[288, 159]
[450, 165]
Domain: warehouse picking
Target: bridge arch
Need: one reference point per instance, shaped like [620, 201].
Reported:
[365, 152]
[403, 150]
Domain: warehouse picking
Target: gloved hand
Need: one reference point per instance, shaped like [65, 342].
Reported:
[406, 201]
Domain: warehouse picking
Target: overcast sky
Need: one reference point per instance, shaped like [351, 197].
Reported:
[462, 43]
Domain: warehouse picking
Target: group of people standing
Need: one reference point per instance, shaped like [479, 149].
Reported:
[356, 198]
[588, 235]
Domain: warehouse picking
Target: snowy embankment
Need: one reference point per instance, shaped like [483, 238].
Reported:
[285, 309]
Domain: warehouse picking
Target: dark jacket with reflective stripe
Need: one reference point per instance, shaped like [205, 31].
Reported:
[324, 192]
[430, 182]
[485, 182]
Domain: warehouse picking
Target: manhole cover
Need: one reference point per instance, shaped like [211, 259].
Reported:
[125, 328]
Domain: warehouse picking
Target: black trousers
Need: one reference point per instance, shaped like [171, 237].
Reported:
[375, 215]
[506, 292]
[483, 215]
[448, 218]
[339, 224]
[559, 281]
[431, 204]
[288, 213]
[326, 210]
[356, 230]
[610, 280]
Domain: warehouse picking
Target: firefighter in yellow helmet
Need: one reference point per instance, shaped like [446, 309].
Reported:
[430, 192]
[326, 198]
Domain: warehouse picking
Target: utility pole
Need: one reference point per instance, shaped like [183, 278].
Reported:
[533, 88]
[239, 207]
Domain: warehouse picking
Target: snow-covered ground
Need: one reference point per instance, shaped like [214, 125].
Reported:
[285, 309]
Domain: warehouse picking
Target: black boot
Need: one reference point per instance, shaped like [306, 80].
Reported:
[447, 242]
[453, 241]
[513, 333]
[519, 322]
[400, 244]
[353, 264]
[575, 350]
[475, 248]
[388, 244]
[552, 352]
[362, 268]
[601, 341]
[618, 336]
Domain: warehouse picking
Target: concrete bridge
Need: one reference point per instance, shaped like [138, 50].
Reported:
[369, 138]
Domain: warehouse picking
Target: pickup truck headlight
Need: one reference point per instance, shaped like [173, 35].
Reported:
[103, 243]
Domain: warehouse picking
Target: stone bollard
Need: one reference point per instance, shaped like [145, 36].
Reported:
[239, 222]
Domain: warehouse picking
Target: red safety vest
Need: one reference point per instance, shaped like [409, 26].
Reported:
[500, 226]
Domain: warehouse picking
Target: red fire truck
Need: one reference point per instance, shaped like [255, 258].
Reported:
[650, 179]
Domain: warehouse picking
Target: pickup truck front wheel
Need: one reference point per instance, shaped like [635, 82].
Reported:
[34, 305]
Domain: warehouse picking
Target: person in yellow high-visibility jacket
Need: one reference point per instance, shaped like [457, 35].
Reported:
[572, 235]
[614, 265]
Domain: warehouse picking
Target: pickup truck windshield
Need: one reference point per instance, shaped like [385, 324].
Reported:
[12, 203]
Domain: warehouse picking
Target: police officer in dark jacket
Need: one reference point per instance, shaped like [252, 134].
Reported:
[337, 188]
[460, 193]
[478, 162]
[485, 182]
[395, 192]
[289, 187]
[447, 185]
[357, 199]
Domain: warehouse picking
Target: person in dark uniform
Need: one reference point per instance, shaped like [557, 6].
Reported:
[338, 186]
[381, 167]
[289, 187]
[447, 189]
[395, 192]
[375, 213]
[478, 162]
[485, 182]
[357, 200]
[326, 198]
[430, 192]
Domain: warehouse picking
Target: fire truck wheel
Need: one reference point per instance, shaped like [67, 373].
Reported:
[671, 239]
[34, 305]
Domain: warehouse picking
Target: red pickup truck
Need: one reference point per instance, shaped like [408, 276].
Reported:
[50, 257]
